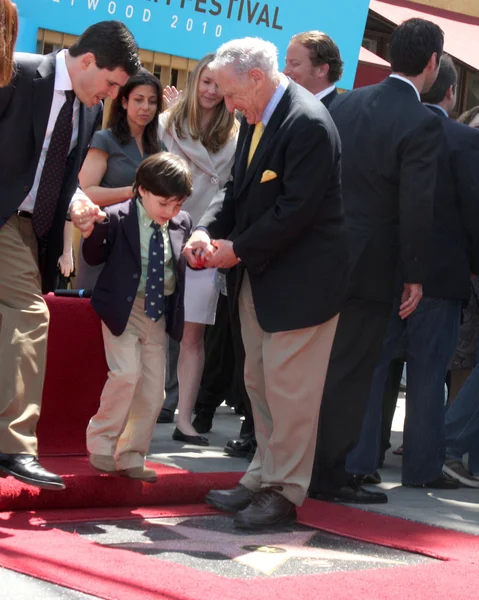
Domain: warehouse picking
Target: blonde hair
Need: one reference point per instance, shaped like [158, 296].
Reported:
[186, 113]
[8, 37]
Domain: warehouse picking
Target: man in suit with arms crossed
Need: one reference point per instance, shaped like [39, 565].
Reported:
[278, 221]
[390, 146]
[313, 60]
[47, 117]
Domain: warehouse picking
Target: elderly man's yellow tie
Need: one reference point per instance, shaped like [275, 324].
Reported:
[257, 133]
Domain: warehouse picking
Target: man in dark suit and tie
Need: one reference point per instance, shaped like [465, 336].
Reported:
[47, 117]
[313, 61]
[432, 331]
[390, 145]
[279, 226]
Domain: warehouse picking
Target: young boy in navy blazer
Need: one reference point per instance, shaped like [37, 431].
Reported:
[139, 298]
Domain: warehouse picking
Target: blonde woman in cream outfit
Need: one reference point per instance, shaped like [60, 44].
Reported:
[201, 130]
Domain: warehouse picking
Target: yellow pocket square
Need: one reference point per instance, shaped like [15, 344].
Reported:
[268, 176]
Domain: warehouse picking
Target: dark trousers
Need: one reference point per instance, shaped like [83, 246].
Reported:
[356, 350]
[432, 332]
[223, 374]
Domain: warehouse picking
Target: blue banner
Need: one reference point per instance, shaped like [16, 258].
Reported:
[192, 28]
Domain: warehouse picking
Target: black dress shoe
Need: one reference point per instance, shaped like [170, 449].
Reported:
[443, 482]
[166, 416]
[351, 494]
[268, 509]
[232, 500]
[26, 468]
[241, 448]
[371, 479]
[203, 423]
[195, 440]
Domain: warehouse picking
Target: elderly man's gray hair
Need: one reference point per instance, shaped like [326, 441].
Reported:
[246, 54]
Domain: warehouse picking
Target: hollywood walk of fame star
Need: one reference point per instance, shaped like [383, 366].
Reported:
[263, 552]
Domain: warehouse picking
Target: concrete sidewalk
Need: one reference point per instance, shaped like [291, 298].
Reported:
[455, 509]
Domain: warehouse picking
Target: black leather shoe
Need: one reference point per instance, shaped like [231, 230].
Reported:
[371, 479]
[443, 482]
[203, 423]
[196, 440]
[241, 448]
[351, 494]
[232, 500]
[26, 468]
[268, 509]
[166, 416]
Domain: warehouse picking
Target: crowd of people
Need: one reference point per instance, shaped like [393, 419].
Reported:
[264, 240]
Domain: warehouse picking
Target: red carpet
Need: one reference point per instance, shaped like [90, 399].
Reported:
[75, 562]
[75, 376]
[87, 488]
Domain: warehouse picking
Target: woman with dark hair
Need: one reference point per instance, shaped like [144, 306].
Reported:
[8, 37]
[199, 128]
[116, 152]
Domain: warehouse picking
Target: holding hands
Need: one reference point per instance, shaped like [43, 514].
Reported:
[201, 251]
[84, 214]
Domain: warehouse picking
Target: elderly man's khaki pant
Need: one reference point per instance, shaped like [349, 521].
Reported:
[24, 321]
[284, 377]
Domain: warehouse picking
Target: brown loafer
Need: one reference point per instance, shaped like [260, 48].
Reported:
[268, 509]
[140, 473]
[230, 500]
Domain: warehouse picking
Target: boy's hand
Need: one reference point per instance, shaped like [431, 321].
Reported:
[84, 214]
[198, 249]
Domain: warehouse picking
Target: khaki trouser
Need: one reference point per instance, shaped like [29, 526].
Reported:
[24, 321]
[132, 397]
[284, 377]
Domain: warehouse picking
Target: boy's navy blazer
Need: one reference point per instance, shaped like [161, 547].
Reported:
[116, 242]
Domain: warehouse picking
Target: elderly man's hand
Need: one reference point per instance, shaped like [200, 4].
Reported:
[84, 214]
[198, 249]
[224, 257]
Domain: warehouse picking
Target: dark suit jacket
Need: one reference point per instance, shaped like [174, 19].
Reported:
[456, 213]
[24, 111]
[327, 100]
[288, 231]
[390, 145]
[116, 242]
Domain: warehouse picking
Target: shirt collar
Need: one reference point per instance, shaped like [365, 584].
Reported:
[400, 77]
[438, 107]
[275, 99]
[323, 93]
[63, 83]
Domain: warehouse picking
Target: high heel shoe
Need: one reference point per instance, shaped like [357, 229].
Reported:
[195, 440]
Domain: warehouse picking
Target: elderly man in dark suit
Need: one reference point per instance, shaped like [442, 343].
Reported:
[47, 117]
[432, 331]
[313, 60]
[390, 146]
[279, 226]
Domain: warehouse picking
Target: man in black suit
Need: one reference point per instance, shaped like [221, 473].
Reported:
[432, 331]
[279, 220]
[313, 60]
[390, 145]
[47, 117]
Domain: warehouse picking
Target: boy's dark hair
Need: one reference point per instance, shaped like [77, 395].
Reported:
[446, 78]
[164, 174]
[112, 44]
[323, 50]
[118, 120]
[412, 45]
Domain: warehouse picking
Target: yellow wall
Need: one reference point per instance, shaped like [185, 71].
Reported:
[467, 7]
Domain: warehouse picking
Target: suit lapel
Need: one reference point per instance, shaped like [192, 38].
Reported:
[43, 87]
[131, 228]
[268, 134]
